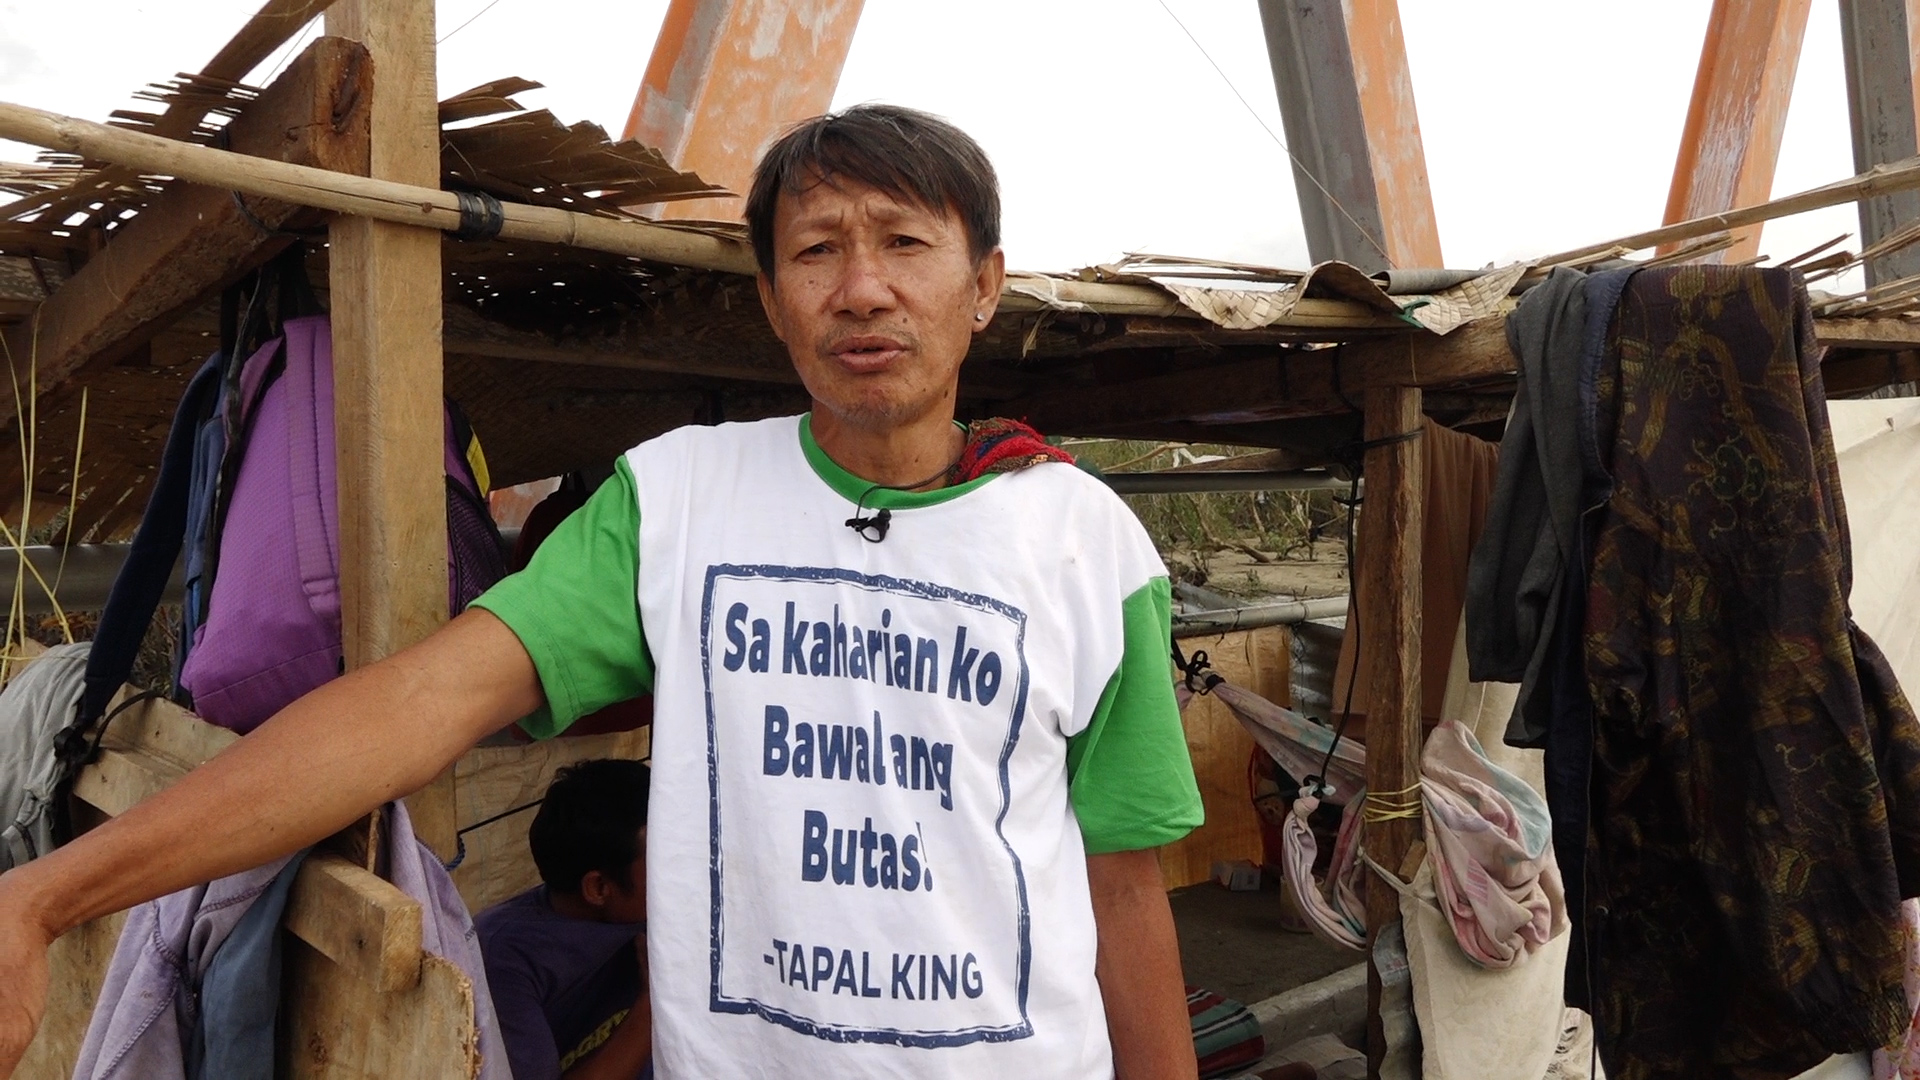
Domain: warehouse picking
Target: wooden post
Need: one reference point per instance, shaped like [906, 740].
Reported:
[1883, 98]
[387, 380]
[1738, 113]
[726, 76]
[1346, 99]
[1391, 522]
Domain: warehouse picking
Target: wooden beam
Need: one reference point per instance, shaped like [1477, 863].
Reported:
[1393, 127]
[144, 751]
[1893, 333]
[625, 346]
[339, 1030]
[1346, 100]
[428, 206]
[194, 240]
[272, 26]
[385, 284]
[1877, 39]
[120, 779]
[362, 923]
[1276, 386]
[1848, 374]
[726, 76]
[1388, 625]
[633, 346]
[1738, 114]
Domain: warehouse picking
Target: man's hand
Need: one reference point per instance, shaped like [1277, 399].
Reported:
[359, 741]
[1138, 966]
[23, 956]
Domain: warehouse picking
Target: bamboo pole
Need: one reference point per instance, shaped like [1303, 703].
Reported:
[1879, 180]
[408, 204]
[383, 200]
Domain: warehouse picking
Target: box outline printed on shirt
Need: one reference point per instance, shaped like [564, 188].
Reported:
[918, 590]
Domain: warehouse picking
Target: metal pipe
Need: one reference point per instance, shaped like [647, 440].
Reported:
[90, 570]
[1195, 483]
[1254, 616]
[83, 586]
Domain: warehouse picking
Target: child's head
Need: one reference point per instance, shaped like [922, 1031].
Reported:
[589, 838]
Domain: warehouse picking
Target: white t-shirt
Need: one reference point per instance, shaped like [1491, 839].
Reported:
[862, 856]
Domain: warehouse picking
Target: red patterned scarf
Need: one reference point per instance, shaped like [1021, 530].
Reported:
[1001, 445]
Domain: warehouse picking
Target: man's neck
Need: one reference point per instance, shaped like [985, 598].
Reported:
[573, 906]
[905, 454]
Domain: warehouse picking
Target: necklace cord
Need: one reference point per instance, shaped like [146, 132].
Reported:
[873, 529]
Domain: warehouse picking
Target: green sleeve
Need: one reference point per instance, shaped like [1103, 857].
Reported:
[576, 609]
[1129, 774]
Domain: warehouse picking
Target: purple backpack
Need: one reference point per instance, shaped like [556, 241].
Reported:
[247, 488]
[272, 628]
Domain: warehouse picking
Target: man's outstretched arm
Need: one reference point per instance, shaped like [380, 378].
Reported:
[359, 741]
[1138, 966]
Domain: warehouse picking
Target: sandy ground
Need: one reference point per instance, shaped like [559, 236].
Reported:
[1233, 943]
[1243, 577]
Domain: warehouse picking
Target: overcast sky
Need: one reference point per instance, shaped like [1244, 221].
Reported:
[1547, 123]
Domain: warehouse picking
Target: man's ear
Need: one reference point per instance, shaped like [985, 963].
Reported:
[988, 280]
[768, 305]
[595, 887]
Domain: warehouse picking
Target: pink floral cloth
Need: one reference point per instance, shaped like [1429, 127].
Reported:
[1491, 842]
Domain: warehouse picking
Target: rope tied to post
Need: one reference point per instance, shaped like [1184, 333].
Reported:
[1402, 805]
[1198, 674]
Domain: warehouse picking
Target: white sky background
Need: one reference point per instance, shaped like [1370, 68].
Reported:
[1547, 123]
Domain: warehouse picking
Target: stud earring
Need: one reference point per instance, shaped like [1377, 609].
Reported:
[977, 317]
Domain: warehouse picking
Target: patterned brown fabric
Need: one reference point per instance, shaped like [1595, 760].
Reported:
[1757, 771]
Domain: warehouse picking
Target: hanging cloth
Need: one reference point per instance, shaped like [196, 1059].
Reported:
[1298, 744]
[1756, 802]
[1491, 846]
[1333, 770]
[1336, 909]
[1457, 999]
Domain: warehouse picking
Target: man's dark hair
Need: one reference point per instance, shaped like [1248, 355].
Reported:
[590, 820]
[913, 156]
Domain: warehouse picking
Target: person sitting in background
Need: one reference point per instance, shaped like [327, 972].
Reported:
[567, 959]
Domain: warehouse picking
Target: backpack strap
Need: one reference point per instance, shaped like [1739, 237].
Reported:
[312, 470]
[139, 585]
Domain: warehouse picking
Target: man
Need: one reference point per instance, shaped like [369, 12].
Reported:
[914, 742]
[566, 960]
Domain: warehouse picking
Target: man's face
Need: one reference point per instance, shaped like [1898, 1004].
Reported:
[876, 301]
[629, 905]
[614, 902]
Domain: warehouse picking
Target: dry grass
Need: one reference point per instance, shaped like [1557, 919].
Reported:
[26, 425]
[1193, 531]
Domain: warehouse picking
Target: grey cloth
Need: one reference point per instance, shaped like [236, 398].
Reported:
[1516, 573]
[446, 930]
[170, 962]
[35, 707]
[232, 1038]
[150, 1001]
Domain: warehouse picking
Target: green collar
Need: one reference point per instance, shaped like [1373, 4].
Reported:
[852, 488]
